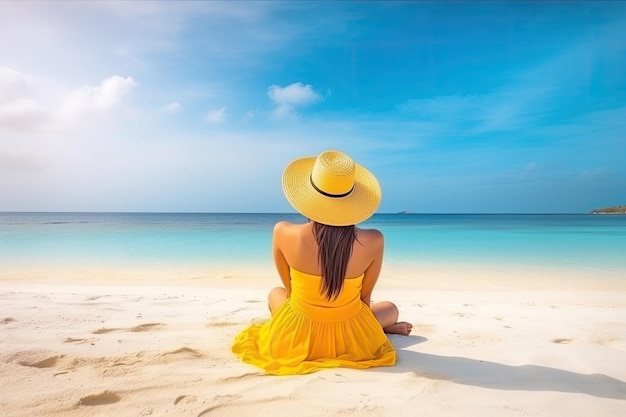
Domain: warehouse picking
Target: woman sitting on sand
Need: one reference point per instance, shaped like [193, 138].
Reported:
[323, 317]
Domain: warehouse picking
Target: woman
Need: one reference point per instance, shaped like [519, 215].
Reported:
[323, 316]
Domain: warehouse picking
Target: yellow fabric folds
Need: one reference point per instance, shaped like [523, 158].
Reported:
[309, 333]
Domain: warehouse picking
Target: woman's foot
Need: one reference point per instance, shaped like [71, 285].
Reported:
[401, 327]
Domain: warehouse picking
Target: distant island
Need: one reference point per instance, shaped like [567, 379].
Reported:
[610, 210]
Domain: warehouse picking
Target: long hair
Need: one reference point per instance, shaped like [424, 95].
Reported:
[334, 245]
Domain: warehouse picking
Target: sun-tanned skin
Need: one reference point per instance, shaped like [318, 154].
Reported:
[294, 245]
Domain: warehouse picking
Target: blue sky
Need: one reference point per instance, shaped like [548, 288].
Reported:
[197, 106]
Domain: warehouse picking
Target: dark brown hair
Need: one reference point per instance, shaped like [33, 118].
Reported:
[334, 248]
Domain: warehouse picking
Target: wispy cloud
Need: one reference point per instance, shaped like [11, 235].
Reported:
[172, 107]
[216, 116]
[289, 98]
[562, 87]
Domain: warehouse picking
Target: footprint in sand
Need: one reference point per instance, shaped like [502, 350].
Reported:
[105, 330]
[95, 297]
[145, 327]
[141, 328]
[44, 363]
[240, 377]
[103, 398]
[79, 341]
[221, 324]
[222, 401]
[185, 351]
[179, 354]
[185, 399]
[607, 341]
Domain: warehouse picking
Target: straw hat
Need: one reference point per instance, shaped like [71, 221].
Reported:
[331, 189]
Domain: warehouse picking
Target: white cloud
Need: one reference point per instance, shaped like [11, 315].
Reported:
[102, 97]
[21, 114]
[13, 85]
[172, 107]
[216, 116]
[27, 104]
[287, 99]
[19, 109]
[89, 101]
[12, 163]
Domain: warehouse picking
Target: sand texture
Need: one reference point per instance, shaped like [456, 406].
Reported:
[105, 349]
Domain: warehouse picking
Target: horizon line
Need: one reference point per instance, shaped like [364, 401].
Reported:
[405, 213]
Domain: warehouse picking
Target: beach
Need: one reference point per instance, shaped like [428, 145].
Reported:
[150, 152]
[158, 343]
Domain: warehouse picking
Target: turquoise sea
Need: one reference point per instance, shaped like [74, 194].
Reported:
[580, 241]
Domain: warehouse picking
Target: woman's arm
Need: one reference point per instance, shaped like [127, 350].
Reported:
[278, 241]
[376, 246]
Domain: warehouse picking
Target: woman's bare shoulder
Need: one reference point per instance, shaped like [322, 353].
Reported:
[285, 226]
[369, 235]
[369, 232]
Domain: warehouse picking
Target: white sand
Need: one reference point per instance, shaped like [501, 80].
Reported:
[115, 347]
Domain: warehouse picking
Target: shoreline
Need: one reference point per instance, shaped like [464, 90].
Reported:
[419, 276]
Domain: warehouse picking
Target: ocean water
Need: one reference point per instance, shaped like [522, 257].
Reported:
[154, 240]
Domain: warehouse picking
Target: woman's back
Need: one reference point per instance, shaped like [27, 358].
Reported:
[309, 331]
[295, 246]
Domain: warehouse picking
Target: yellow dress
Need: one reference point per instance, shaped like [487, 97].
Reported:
[309, 333]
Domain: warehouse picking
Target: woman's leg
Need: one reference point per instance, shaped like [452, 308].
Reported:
[387, 315]
[276, 298]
